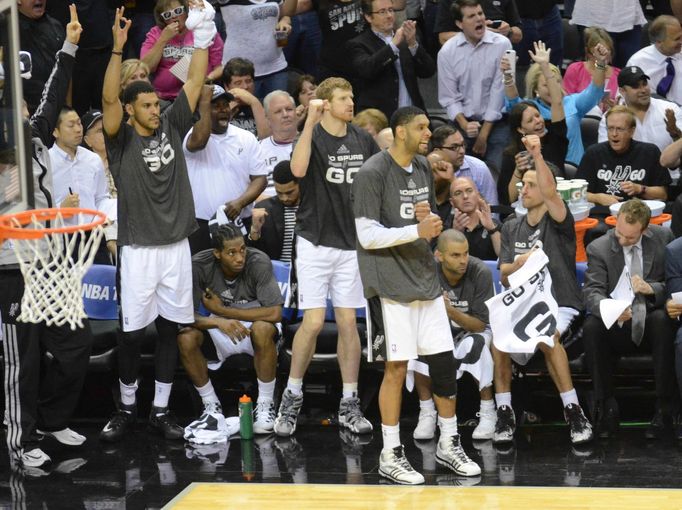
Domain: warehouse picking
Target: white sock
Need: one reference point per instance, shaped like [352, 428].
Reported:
[127, 393]
[295, 386]
[447, 426]
[391, 435]
[207, 393]
[569, 397]
[487, 405]
[162, 393]
[427, 405]
[266, 390]
[503, 399]
[350, 390]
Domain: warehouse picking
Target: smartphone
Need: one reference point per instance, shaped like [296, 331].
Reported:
[510, 56]
[496, 23]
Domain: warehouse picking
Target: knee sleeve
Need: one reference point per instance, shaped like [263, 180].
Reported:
[166, 352]
[129, 355]
[443, 371]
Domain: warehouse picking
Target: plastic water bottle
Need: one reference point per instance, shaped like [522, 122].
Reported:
[246, 417]
[248, 467]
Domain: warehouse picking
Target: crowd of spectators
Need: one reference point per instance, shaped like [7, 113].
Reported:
[269, 170]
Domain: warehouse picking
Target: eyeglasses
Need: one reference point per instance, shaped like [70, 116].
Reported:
[384, 12]
[619, 130]
[173, 13]
[453, 147]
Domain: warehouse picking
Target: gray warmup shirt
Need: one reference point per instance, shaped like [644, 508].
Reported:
[558, 242]
[325, 216]
[385, 192]
[155, 204]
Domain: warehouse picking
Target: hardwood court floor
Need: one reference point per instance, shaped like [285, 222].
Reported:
[353, 497]
[324, 468]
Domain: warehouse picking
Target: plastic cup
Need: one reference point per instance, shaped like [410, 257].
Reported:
[564, 190]
[576, 188]
[282, 38]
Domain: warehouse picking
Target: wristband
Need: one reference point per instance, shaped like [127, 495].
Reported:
[119, 53]
[641, 193]
[494, 230]
[601, 67]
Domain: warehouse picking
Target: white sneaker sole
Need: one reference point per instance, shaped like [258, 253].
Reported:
[482, 436]
[473, 471]
[399, 481]
[263, 429]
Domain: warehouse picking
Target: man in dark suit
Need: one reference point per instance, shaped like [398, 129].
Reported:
[643, 326]
[673, 282]
[274, 219]
[388, 62]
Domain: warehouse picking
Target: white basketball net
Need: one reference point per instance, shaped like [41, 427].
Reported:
[53, 267]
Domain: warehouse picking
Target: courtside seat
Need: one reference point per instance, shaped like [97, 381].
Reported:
[101, 306]
[325, 351]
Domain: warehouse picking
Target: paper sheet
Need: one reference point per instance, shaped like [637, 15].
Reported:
[621, 298]
[677, 297]
[181, 69]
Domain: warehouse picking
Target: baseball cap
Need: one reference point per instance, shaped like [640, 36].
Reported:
[219, 92]
[89, 118]
[631, 76]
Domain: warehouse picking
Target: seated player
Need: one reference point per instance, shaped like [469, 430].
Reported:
[548, 224]
[467, 283]
[237, 286]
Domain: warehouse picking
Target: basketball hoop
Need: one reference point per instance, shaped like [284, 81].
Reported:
[53, 258]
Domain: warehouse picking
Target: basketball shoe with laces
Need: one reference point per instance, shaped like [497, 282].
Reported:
[289, 408]
[451, 455]
[394, 465]
[351, 417]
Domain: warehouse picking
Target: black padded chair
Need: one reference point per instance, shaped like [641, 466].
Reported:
[589, 130]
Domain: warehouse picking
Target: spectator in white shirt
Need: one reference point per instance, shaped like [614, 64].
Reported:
[657, 119]
[470, 83]
[225, 165]
[280, 111]
[622, 19]
[77, 174]
[662, 60]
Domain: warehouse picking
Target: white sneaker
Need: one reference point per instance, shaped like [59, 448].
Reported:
[486, 425]
[351, 417]
[209, 428]
[394, 465]
[65, 436]
[35, 458]
[264, 416]
[451, 454]
[426, 426]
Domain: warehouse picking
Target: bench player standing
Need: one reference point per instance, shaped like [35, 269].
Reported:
[326, 158]
[156, 215]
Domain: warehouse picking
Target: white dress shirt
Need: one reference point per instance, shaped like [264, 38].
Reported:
[652, 128]
[222, 170]
[404, 98]
[611, 15]
[84, 175]
[654, 64]
[469, 77]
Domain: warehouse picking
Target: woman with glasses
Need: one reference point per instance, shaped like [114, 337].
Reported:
[168, 42]
[525, 119]
[575, 106]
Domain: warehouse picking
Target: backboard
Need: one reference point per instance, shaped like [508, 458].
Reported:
[16, 190]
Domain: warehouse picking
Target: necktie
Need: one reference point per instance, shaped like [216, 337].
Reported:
[667, 81]
[638, 305]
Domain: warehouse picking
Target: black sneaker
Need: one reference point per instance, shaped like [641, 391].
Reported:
[581, 430]
[505, 426]
[119, 423]
[161, 419]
